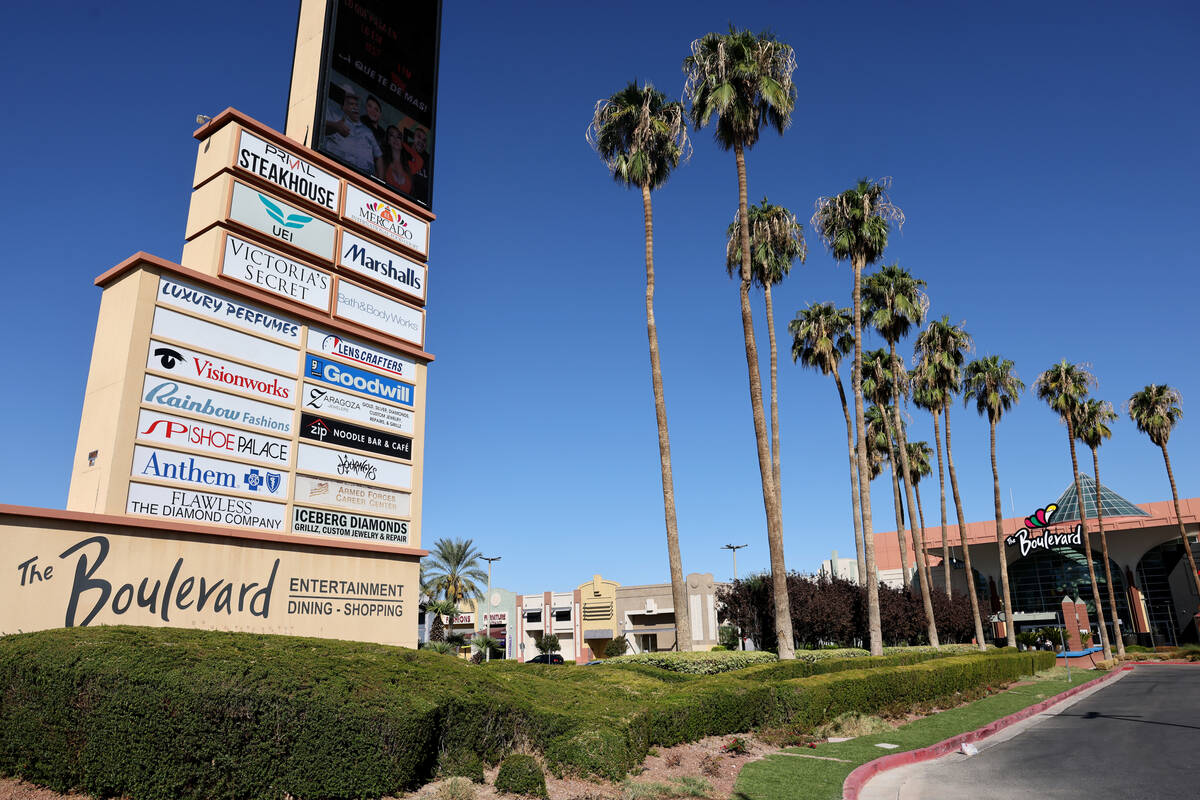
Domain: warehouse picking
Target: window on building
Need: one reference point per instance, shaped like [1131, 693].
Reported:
[649, 642]
[562, 615]
[533, 616]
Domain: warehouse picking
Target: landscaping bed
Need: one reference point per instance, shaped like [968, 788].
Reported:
[170, 713]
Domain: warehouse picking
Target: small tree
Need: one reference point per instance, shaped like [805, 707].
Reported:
[727, 635]
[482, 645]
[547, 643]
[616, 647]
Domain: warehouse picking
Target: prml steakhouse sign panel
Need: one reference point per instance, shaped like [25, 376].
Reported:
[376, 215]
[87, 574]
[327, 430]
[288, 172]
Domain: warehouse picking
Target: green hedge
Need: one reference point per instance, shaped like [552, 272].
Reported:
[898, 657]
[521, 774]
[167, 713]
[698, 663]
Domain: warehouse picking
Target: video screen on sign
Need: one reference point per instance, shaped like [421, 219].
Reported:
[379, 92]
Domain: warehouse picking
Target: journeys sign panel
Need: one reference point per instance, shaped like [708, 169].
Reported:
[101, 574]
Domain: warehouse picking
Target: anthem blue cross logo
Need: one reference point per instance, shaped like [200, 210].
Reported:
[286, 220]
[254, 480]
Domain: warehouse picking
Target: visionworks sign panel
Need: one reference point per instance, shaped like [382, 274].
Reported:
[281, 221]
[216, 371]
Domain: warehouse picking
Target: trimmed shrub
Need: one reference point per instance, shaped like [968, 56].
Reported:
[521, 774]
[698, 663]
[461, 764]
[456, 789]
[616, 647]
[591, 752]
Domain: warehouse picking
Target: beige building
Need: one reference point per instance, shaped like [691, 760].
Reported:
[646, 614]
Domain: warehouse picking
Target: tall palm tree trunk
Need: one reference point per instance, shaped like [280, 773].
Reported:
[774, 396]
[854, 508]
[1187, 548]
[962, 532]
[937, 438]
[874, 628]
[783, 613]
[1112, 598]
[897, 503]
[1010, 633]
[921, 514]
[683, 630]
[906, 468]
[1087, 546]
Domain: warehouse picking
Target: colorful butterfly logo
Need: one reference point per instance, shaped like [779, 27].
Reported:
[1041, 517]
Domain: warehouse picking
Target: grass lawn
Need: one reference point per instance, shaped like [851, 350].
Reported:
[783, 776]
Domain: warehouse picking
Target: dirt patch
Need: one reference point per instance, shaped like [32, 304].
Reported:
[17, 789]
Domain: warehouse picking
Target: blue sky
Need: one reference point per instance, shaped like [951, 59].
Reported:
[1043, 155]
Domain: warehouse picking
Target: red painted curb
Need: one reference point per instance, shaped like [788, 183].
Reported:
[859, 777]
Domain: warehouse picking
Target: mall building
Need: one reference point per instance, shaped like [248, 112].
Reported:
[1156, 597]
[587, 618]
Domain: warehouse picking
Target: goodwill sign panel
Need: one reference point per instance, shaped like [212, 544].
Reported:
[222, 308]
[176, 396]
[275, 273]
[337, 374]
[192, 331]
[216, 473]
[281, 221]
[215, 371]
[288, 171]
[183, 505]
[380, 313]
[103, 574]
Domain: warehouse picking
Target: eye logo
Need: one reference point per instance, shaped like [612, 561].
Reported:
[168, 357]
[286, 220]
[386, 212]
[1041, 517]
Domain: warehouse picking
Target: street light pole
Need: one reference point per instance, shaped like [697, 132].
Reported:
[487, 656]
[733, 548]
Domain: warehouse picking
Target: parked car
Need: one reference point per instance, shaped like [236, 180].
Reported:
[546, 658]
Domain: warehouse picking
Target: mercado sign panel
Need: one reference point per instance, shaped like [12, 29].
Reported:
[387, 220]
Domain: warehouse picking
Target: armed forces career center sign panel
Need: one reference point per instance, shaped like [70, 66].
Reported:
[81, 574]
[253, 419]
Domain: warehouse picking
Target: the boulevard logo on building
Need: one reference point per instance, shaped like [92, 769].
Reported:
[1040, 521]
[172, 430]
[216, 306]
[386, 219]
[182, 397]
[275, 273]
[288, 171]
[332, 344]
[331, 431]
[149, 462]
[210, 369]
[359, 380]
[383, 265]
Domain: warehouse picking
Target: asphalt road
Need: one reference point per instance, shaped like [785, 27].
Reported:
[1138, 737]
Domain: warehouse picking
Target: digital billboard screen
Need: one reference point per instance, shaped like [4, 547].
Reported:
[378, 92]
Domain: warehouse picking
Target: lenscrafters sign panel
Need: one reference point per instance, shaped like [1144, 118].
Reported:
[77, 574]
[378, 91]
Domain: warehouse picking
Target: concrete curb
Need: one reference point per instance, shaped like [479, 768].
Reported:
[859, 777]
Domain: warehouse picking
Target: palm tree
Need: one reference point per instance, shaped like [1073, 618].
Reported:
[1064, 388]
[745, 82]
[918, 459]
[895, 303]
[776, 241]
[821, 337]
[1155, 410]
[854, 225]
[453, 569]
[995, 388]
[941, 350]
[437, 609]
[929, 397]
[642, 137]
[878, 388]
[1092, 428]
